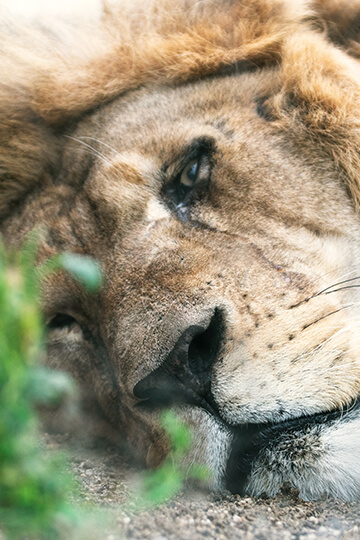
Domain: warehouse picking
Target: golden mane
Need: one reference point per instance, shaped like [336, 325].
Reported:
[163, 42]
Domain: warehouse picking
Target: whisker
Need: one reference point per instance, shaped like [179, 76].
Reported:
[328, 291]
[343, 288]
[347, 328]
[328, 315]
[101, 142]
[338, 283]
[350, 327]
[94, 151]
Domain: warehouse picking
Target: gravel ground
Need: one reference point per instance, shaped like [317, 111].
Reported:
[107, 478]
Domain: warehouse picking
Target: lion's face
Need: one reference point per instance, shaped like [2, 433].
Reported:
[229, 246]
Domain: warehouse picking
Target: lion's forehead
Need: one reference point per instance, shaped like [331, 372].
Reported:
[121, 151]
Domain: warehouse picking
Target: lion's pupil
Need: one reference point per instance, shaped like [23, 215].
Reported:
[193, 172]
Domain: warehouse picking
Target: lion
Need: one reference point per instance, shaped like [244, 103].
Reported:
[206, 154]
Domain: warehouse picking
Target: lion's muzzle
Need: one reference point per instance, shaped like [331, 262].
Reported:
[185, 376]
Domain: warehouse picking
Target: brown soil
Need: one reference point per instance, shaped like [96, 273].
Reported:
[107, 479]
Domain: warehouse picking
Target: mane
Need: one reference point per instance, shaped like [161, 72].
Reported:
[161, 41]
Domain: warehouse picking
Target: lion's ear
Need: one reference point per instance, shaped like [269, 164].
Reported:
[341, 21]
[319, 103]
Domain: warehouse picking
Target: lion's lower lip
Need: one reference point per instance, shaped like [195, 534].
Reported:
[287, 440]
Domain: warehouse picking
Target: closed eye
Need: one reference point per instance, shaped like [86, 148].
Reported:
[61, 321]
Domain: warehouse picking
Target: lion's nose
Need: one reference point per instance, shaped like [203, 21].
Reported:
[185, 376]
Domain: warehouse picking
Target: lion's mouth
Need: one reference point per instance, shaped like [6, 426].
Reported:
[249, 440]
[185, 379]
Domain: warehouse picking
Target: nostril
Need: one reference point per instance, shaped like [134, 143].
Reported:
[185, 376]
[205, 346]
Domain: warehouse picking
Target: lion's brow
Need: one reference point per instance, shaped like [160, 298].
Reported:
[130, 166]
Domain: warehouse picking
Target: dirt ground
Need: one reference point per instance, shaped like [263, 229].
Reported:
[107, 479]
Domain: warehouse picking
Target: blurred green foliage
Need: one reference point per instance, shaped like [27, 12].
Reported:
[162, 484]
[82, 268]
[34, 489]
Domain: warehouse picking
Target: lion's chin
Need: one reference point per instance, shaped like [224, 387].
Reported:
[318, 455]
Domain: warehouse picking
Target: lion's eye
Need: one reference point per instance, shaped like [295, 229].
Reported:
[189, 175]
[189, 184]
[196, 172]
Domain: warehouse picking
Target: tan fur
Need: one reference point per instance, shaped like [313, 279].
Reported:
[341, 22]
[93, 139]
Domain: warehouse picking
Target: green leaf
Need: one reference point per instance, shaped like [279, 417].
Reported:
[177, 431]
[82, 268]
[48, 387]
